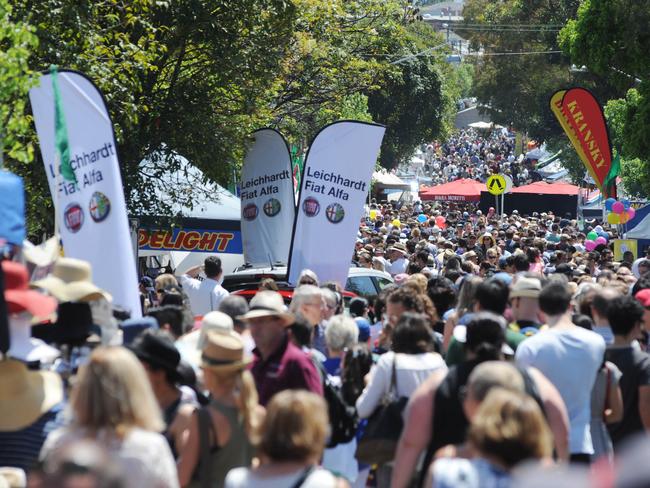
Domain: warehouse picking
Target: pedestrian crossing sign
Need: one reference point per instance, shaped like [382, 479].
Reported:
[496, 184]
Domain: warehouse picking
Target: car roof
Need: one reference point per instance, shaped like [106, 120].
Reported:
[250, 277]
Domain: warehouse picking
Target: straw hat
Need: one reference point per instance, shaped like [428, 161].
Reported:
[20, 298]
[26, 394]
[12, 477]
[399, 247]
[71, 281]
[224, 352]
[268, 304]
[191, 344]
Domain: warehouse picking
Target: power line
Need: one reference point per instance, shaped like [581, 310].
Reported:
[421, 53]
[519, 53]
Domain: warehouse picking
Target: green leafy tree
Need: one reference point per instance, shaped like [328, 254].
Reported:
[195, 78]
[189, 78]
[17, 43]
[610, 38]
[515, 89]
[415, 103]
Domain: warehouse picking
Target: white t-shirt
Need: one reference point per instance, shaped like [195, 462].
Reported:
[398, 266]
[143, 457]
[410, 371]
[205, 296]
[570, 359]
[245, 478]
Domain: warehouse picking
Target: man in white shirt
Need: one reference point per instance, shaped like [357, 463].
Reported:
[399, 263]
[205, 296]
[569, 356]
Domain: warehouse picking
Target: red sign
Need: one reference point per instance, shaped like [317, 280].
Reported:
[583, 114]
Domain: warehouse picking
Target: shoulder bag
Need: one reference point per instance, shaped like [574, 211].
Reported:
[379, 441]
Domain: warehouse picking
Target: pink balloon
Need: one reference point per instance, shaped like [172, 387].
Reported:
[631, 213]
[601, 240]
[618, 207]
[590, 245]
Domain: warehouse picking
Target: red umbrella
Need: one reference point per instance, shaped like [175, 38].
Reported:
[543, 188]
[463, 190]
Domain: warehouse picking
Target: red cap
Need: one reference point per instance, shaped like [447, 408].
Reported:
[19, 297]
[643, 297]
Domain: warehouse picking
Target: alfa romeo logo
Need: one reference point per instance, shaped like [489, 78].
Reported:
[272, 207]
[335, 212]
[99, 207]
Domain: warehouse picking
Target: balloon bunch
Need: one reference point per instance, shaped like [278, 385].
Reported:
[595, 238]
[620, 211]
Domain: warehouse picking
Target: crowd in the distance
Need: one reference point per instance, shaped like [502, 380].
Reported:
[468, 154]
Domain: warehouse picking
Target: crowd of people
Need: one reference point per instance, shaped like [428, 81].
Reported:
[468, 154]
[504, 354]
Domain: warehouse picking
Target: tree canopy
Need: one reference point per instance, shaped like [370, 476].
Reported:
[611, 39]
[195, 78]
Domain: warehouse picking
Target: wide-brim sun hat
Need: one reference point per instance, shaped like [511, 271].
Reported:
[268, 303]
[224, 352]
[27, 395]
[71, 281]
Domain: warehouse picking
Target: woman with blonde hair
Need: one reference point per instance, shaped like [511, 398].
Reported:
[113, 404]
[509, 428]
[221, 434]
[292, 439]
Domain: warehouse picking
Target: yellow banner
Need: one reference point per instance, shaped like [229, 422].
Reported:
[623, 245]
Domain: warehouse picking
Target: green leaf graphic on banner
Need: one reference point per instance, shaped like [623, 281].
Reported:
[297, 163]
[61, 131]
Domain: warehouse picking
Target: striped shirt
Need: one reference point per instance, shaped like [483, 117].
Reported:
[20, 448]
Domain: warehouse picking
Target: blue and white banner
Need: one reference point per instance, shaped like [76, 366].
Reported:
[267, 200]
[91, 212]
[335, 184]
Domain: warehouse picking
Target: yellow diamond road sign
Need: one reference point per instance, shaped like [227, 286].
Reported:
[496, 184]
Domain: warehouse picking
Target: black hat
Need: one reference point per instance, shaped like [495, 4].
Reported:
[158, 351]
[564, 269]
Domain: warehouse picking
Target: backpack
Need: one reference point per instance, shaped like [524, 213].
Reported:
[343, 417]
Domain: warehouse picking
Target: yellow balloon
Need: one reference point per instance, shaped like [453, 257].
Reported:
[373, 214]
[396, 223]
[613, 218]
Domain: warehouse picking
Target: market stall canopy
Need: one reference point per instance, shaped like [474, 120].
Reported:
[383, 180]
[639, 226]
[463, 190]
[208, 199]
[484, 125]
[543, 188]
